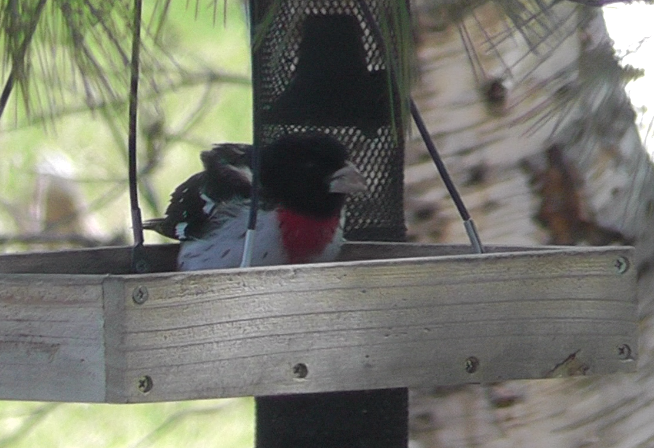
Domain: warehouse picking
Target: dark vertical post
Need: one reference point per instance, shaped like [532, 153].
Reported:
[374, 419]
[315, 68]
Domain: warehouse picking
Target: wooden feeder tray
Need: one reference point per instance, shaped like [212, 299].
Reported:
[76, 326]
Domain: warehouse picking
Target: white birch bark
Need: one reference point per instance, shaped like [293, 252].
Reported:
[563, 91]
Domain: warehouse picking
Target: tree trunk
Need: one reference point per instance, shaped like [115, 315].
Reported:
[527, 107]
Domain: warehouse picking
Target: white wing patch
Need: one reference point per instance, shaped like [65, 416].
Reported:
[180, 230]
[209, 204]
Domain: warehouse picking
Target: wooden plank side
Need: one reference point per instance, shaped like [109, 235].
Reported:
[353, 251]
[162, 257]
[410, 322]
[51, 338]
[114, 329]
[95, 261]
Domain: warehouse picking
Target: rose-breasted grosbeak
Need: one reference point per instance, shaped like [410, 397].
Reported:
[304, 181]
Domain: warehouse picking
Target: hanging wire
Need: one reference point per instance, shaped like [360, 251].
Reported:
[248, 245]
[139, 263]
[468, 223]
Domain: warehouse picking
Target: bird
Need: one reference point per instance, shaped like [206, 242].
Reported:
[304, 181]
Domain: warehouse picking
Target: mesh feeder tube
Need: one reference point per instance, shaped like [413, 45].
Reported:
[317, 68]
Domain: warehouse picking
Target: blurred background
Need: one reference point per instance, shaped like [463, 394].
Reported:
[63, 182]
[63, 171]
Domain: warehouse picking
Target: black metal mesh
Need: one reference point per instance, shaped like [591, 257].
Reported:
[319, 68]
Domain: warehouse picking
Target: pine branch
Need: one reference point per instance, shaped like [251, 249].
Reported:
[18, 50]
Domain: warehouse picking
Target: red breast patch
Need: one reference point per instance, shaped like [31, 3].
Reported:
[304, 237]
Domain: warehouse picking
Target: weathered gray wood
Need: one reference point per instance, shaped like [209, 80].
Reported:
[162, 257]
[353, 251]
[103, 260]
[51, 338]
[362, 325]
[353, 325]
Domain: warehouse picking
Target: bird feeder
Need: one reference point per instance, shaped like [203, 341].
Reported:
[78, 325]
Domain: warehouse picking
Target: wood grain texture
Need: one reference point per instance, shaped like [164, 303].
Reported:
[350, 325]
[51, 338]
[362, 325]
[162, 257]
[103, 260]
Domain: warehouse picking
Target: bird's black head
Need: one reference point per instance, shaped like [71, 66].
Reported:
[299, 170]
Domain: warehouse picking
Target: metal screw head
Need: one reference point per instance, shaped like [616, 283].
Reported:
[472, 364]
[621, 265]
[141, 267]
[300, 370]
[145, 384]
[624, 351]
[140, 295]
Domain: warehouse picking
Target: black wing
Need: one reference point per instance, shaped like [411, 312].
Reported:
[235, 154]
[225, 178]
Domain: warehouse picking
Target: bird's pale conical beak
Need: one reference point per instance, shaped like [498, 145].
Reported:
[347, 180]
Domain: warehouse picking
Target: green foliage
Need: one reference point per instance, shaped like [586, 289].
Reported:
[224, 423]
[195, 90]
[67, 66]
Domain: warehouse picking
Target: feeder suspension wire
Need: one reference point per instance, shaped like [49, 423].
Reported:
[139, 262]
[137, 225]
[447, 180]
[248, 245]
[426, 137]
